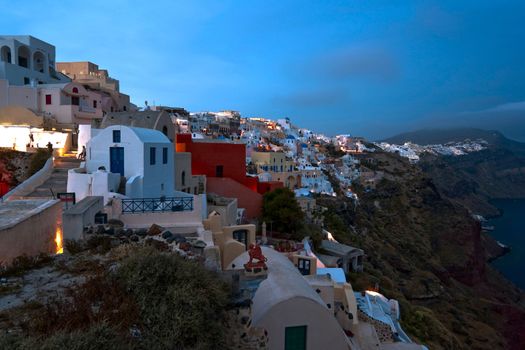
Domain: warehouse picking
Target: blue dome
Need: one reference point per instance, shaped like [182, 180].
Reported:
[290, 137]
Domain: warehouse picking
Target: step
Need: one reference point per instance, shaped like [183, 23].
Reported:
[62, 170]
[67, 159]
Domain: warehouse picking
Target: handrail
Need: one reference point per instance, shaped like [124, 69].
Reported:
[153, 205]
[30, 184]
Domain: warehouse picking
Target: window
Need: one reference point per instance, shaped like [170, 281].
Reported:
[165, 155]
[116, 136]
[183, 178]
[94, 103]
[219, 170]
[124, 108]
[75, 90]
[295, 338]
[48, 99]
[75, 101]
[152, 152]
[304, 266]
[26, 80]
[241, 236]
[165, 130]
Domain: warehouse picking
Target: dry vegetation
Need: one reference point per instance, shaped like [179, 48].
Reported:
[132, 297]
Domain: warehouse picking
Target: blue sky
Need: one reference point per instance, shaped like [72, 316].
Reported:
[372, 68]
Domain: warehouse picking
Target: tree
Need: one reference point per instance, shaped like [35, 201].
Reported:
[280, 208]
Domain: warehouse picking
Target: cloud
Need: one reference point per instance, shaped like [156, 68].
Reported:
[502, 108]
[508, 118]
[313, 98]
[356, 62]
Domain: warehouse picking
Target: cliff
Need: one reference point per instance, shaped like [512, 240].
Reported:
[426, 251]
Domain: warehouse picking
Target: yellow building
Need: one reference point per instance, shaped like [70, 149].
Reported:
[278, 167]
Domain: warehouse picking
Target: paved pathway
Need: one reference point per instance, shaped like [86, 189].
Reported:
[57, 182]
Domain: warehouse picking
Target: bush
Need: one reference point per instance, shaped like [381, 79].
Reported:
[97, 337]
[24, 263]
[100, 299]
[281, 208]
[38, 160]
[74, 247]
[99, 243]
[182, 305]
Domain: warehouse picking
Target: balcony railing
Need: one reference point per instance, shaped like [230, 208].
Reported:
[155, 205]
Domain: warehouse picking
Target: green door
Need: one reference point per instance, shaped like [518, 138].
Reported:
[295, 338]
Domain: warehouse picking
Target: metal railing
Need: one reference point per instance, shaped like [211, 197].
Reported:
[154, 205]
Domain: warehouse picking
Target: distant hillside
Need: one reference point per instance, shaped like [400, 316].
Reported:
[441, 136]
[430, 255]
[473, 179]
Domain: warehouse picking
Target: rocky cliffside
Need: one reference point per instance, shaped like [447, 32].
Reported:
[473, 179]
[426, 251]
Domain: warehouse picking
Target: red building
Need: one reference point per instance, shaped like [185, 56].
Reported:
[224, 164]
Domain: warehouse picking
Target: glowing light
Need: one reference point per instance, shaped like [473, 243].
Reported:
[330, 237]
[58, 241]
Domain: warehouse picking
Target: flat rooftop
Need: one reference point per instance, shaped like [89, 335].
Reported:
[16, 211]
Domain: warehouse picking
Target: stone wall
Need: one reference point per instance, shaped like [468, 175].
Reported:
[383, 330]
[14, 166]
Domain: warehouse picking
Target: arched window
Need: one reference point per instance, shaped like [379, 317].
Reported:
[75, 90]
[183, 178]
[5, 54]
[165, 130]
[23, 56]
[39, 62]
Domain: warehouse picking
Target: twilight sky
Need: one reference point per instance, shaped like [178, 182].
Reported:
[371, 68]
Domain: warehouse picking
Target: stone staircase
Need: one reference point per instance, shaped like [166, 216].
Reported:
[57, 182]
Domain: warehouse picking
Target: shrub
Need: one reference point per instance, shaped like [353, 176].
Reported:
[74, 247]
[182, 305]
[100, 243]
[100, 336]
[100, 299]
[281, 208]
[38, 160]
[24, 263]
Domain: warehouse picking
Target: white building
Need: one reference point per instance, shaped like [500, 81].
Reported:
[143, 157]
[27, 60]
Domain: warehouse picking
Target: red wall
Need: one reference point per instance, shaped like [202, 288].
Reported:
[206, 156]
[246, 198]
[263, 187]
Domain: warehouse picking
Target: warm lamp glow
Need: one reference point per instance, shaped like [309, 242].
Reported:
[58, 241]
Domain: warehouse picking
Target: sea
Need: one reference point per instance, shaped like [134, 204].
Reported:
[509, 229]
